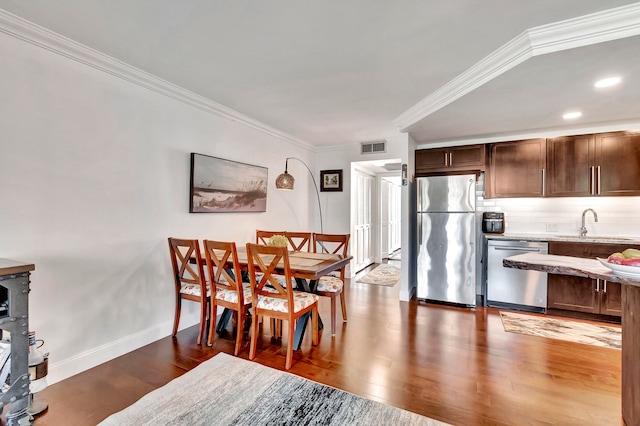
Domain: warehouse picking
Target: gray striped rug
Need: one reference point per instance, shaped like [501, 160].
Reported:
[226, 390]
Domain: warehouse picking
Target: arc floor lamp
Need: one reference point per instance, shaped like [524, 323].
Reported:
[286, 181]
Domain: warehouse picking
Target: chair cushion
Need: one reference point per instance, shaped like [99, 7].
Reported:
[280, 278]
[232, 295]
[301, 301]
[330, 284]
[193, 289]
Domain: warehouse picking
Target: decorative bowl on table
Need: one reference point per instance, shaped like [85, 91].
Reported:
[621, 270]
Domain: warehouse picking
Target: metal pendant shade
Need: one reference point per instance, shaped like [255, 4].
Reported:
[285, 181]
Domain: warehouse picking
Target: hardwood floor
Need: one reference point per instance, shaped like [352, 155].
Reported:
[455, 365]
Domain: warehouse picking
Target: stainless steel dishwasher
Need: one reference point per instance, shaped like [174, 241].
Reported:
[515, 288]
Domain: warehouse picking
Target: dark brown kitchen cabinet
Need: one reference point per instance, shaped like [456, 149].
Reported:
[617, 163]
[516, 169]
[605, 164]
[451, 159]
[569, 166]
[585, 295]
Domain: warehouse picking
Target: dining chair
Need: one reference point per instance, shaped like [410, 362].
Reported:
[229, 290]
[332, 285]
[274, 300]
[190, 281]
[262, 237]
[298, 241]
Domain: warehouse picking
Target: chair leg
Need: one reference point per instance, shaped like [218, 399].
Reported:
[289, 359]
[176, 318]
[254, 336]
[204, 311]
[333, 313]
[240, 330]
[212, 327]
[344, 306]
[314, 324]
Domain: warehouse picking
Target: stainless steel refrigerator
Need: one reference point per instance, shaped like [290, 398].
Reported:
[447, 239]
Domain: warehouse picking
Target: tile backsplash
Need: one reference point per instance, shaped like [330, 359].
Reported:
[617, 216]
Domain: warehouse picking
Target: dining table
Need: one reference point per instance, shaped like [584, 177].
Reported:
[306, 268]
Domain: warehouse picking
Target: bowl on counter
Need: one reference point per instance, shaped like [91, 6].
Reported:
[621, 270]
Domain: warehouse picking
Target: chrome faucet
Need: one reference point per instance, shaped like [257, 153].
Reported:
[583, 229]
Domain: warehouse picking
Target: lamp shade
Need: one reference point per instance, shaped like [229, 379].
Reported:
[285, 181]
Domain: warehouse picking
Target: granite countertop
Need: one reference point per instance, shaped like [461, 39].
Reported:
[568, 238]
[567, 265]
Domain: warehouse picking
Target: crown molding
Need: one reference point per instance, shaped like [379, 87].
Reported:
[36, 35]
[582, 31]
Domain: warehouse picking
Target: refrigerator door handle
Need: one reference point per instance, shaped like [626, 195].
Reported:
[419, 230]
[472, 193]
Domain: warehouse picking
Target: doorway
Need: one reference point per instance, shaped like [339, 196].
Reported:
[375, 211]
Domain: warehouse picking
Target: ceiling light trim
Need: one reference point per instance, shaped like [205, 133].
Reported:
[585, 30]
[36, 35]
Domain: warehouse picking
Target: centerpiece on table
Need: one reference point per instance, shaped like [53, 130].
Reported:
[278, 240]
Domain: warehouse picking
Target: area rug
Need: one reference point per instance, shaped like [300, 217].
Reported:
[226, 390]
[386, 275]
[554, 328]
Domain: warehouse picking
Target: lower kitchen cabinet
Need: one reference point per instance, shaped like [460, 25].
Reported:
[584, 295]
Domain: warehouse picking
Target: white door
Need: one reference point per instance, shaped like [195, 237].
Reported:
[385, 217]
[395, 217]
[362, 235]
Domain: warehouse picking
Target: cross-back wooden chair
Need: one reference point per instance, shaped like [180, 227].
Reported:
[298, 241]
[332, 285]
[226, 280]
[262, 237]
[274, 300]
[189, 279]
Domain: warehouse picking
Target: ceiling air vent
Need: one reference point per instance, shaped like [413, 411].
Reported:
[373, 147]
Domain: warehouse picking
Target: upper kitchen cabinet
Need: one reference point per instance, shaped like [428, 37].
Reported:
[516, 169]
[603, 164]
[617, 164]
[451, 159]
[570, 166]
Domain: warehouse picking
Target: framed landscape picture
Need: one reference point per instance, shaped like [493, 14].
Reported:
[330, 180]
[219, 186]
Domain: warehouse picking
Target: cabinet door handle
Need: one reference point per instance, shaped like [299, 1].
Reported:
[598, 285]
[445, 160]
[604, 286]
[592, 171]
[598, 180]
[543, 184]
[451, 159]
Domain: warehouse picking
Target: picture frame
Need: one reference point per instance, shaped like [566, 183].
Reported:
[331, 180]
[225, 186]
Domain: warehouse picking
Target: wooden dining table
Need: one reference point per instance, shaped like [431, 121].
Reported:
[306, 268]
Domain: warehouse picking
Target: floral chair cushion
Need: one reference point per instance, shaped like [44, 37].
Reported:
[232, 295]
[330, 284]
[300, 300]
[193, 289]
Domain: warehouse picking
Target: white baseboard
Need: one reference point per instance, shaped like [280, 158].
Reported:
[84, 361]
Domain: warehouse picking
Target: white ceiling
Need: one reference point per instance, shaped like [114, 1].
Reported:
[333, 73]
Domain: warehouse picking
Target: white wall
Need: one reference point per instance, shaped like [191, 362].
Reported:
[94, 176]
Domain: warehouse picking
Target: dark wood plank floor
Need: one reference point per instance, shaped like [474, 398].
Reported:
[451, 364]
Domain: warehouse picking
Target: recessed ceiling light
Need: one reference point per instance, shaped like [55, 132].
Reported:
[572, 115]
[607, 82]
